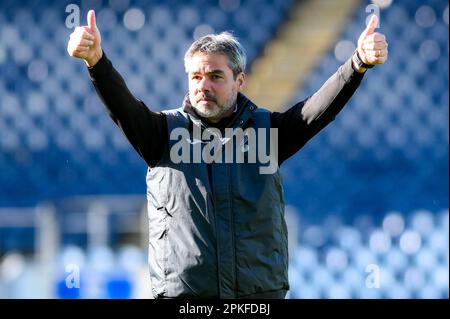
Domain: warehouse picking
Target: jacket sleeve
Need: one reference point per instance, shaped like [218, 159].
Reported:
[301, 122]
[145, 130]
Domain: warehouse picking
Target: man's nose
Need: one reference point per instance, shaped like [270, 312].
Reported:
[204, 84]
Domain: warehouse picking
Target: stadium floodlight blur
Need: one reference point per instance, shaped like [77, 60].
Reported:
[55, 143]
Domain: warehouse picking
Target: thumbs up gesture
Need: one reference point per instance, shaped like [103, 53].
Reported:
[372, 46]
[84, 42]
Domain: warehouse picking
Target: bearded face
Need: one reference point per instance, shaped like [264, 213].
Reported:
[212, 86]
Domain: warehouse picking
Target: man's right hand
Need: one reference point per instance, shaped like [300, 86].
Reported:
[84, 42]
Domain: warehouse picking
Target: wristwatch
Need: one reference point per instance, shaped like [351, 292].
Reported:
[360, 63]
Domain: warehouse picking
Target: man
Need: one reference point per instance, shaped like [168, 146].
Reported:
[217, 227]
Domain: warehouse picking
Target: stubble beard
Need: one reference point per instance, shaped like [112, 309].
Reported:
[217, 112]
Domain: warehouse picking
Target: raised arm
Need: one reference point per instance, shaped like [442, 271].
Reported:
[145, 130]
[305, 119]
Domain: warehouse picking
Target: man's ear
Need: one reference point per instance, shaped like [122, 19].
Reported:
[241, 81]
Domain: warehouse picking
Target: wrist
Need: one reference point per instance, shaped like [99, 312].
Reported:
[358, 68]
[358, 64]
[91, 62]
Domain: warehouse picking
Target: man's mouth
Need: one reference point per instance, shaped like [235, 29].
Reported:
[207, 99]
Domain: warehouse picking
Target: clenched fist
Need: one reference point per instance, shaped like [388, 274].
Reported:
[372, 46]
[84, 42]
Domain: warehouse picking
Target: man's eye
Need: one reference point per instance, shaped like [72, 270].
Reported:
[215, 76]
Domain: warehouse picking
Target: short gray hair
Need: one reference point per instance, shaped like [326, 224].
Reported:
[221, 43]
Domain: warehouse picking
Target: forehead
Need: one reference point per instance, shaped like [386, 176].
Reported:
[207, 62]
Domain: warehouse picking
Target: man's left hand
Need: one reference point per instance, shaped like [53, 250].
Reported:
[372, 46]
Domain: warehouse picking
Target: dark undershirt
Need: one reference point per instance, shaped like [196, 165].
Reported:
[147, 130]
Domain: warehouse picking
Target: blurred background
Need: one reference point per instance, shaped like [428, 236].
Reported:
[367, 199]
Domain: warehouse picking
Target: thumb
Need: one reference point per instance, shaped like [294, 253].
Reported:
[91, 20]
[373, 23]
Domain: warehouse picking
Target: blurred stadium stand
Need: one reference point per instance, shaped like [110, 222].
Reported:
[372, 188]
[388, 149]
[408, 256]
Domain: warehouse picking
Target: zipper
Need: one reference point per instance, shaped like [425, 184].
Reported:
[233, 230]
[217, 233]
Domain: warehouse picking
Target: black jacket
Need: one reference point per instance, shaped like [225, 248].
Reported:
[217, 230]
